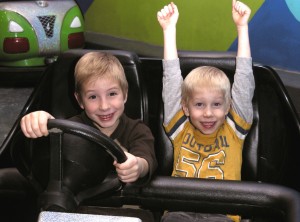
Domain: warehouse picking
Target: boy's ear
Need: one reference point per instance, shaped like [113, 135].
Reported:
[185, 109]
[227, 111]
[228, 107]
[78, 98]
[125, 97]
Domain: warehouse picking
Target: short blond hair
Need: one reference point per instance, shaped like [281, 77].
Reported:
[206, 77]
[94, 65]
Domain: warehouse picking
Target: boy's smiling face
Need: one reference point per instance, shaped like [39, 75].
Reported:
[103, 102]
[206, 109]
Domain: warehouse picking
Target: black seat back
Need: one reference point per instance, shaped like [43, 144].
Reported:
[278, 138]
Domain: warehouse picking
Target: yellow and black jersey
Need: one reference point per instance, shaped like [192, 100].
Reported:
[215, 156]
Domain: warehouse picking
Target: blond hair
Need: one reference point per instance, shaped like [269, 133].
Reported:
[94, 65]
[206, 77]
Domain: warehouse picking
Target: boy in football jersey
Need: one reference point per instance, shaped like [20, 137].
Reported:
[206, 119]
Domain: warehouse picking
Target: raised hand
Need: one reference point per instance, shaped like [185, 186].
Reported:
[240, 13]
[168, 16]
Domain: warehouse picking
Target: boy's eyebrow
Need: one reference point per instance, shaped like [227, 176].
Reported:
[115, 87]
[112, 88]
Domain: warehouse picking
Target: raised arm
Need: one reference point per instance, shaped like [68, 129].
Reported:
[172, 79]
[243, 85]
[167, 18]
[240, 15]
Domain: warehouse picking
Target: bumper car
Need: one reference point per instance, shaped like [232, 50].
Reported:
[58, 179]
[34, 33]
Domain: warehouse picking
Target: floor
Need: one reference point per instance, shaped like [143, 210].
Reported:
[12, 101]
[16, 85]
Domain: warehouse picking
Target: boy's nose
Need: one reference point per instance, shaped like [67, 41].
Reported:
[207, 111]
[103, 104]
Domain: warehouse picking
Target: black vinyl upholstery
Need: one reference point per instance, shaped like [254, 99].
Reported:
[270, 187]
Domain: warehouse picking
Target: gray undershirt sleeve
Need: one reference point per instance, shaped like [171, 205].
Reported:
[171, 94]
[243, 88]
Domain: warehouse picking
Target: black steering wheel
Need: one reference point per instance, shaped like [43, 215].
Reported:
[79, 164]
[59, 126]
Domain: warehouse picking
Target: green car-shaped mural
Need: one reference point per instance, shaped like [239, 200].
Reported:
[34, 33]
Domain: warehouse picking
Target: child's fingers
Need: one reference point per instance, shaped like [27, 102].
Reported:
[167, 9]
[167, 12]
[240, 8]
[164, 12]
[174, 7]
[170, 8]
[233, 3]
[159, 15]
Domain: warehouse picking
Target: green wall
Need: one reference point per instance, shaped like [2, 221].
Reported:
[203, 24]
